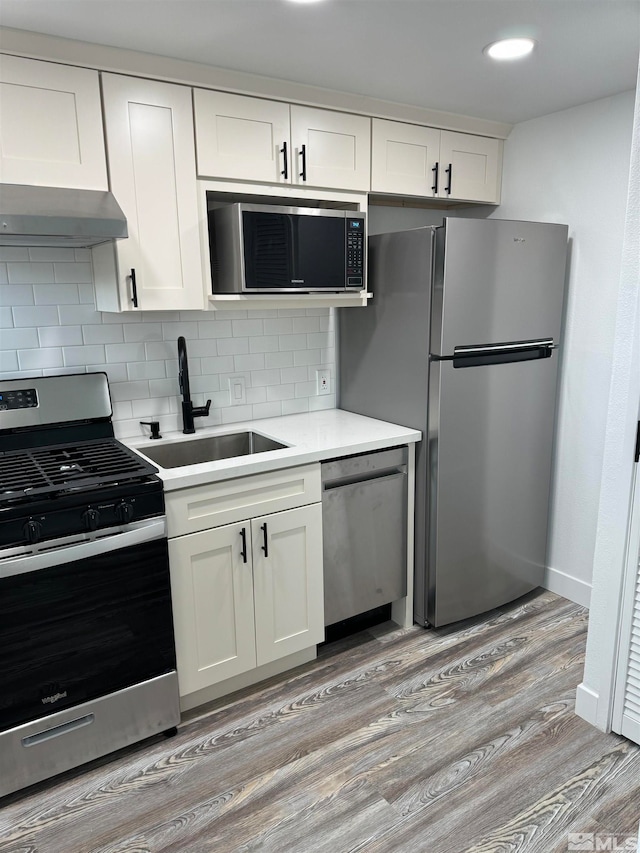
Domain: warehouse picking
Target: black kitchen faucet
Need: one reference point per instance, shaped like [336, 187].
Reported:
[189, 411]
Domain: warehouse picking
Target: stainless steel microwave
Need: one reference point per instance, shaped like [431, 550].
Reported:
[262, 248]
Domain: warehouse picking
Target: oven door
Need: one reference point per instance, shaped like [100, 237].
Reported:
[83, 619]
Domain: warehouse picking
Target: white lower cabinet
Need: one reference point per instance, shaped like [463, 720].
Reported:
[246, 594]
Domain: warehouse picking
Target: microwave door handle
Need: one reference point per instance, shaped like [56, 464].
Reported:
[48, 557]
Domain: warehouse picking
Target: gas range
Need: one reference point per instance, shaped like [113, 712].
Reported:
[86, 628]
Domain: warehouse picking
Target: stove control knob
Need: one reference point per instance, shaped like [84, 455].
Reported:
[124, 512]
[32, 531]
[91, 518]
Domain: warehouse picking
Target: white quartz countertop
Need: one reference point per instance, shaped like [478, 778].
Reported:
[310, 437]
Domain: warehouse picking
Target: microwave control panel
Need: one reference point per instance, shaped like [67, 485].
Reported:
[355, 252]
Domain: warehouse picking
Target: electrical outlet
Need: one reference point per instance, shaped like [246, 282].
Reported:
[237, 391]
[323, 381]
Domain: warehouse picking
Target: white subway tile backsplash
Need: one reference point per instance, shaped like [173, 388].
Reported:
[278, 359]
[294, 374]
[280, 392]
[134, 332]
[245, 328]
[125, 352]
[83, 355]
[146, 370]
[80, 315]
[215, 329]
[294, 407]
[29, 359]
[16, 294]
[13, 339]
[311, 356]
[8, 362]
[74, 272]
[266, 343]
[49, 325]
[40, 315]
[267, 410]
[265, 377]
[56, 294]
[27, 273]
[232, 346]
[50, 253]
[60, 336]
[306, 324]
[102, 334]
[130, 390]
[248, 362]
[293, 342]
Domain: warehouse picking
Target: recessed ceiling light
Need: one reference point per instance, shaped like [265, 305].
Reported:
[510, 48]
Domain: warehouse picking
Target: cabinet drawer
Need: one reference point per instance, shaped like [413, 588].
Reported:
[215, 504]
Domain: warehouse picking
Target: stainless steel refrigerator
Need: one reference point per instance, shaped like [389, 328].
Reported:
[462, 341]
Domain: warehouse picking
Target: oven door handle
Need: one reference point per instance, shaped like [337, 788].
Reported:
[49, 555]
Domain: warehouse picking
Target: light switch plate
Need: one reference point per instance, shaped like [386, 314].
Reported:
[237, 391]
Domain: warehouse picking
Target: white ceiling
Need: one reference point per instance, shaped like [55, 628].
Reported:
[422, 52]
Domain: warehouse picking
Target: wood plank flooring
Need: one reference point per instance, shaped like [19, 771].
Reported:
[458, 740]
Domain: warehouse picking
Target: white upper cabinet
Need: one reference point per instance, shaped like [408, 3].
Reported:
[252, 139]
[240, 137]
[408, 159]
[50, 125]
[330, 149]
[149, 129]
[472, 167]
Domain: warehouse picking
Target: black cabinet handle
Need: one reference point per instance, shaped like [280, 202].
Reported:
[265, 547]
[434, 186]
[303, 156]
[134, 289]
[285, 171]
[243, 552]
[449, 172]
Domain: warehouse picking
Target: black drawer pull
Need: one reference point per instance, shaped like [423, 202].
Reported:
[265, 547]
[243, 552]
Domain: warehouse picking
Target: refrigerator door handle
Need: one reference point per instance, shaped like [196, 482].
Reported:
[502, 354]
[516, 346]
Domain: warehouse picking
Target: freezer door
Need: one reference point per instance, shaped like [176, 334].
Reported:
[490, 446]
[497, 280]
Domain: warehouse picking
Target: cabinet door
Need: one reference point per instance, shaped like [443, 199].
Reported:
[212, 595]
[50, 125]
[404, 158]
[474, 164]
[243, 138]
[288, 589]
[331, 149]
[149, 128]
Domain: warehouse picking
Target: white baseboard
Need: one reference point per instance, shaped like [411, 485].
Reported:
[587, 703]
[567, 586]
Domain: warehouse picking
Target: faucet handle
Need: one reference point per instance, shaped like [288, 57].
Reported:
[201, 411]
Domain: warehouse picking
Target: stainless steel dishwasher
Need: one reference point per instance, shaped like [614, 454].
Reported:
[364, 524]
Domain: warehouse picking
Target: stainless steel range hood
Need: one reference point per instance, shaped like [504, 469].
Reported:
[52, 216]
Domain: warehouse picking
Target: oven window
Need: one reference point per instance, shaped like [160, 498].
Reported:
[285, 251]
[84, 629]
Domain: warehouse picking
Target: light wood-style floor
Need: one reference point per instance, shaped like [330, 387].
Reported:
[461, 739]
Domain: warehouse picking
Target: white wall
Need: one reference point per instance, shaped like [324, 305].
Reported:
[573, 167]
[49, 324]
